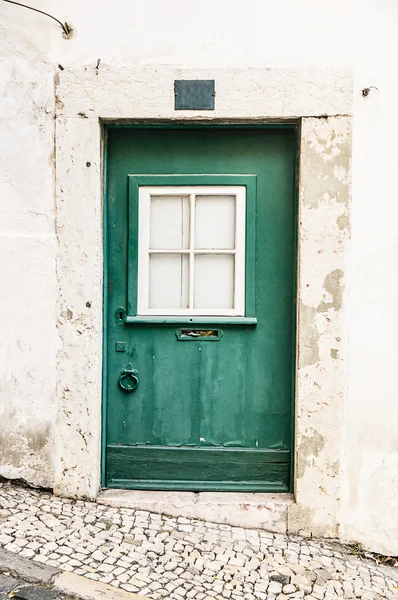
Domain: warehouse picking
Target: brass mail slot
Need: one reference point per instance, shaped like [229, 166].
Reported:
[202, 335]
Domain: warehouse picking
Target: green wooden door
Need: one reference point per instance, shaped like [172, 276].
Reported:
[199, 311]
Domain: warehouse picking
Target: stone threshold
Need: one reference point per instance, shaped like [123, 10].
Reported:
[248, 510]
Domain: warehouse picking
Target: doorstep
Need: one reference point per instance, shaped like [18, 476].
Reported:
[249, 510]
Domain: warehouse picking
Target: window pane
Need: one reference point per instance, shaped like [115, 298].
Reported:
[168, 281]
[214, 281]
[215, 222]
[169, 227]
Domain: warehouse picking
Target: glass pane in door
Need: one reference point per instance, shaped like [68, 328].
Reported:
[169, 222]
[215, 222]
[214, 281]
[168, 281]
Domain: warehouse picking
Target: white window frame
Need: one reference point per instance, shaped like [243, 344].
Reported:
[144, 199]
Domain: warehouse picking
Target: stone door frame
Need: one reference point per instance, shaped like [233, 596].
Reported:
[320, 101]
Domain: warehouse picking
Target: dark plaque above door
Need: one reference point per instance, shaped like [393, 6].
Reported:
[194, 94]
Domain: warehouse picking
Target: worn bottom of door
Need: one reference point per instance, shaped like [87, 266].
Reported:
[196, 402]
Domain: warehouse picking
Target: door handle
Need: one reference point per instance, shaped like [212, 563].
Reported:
[128, 379]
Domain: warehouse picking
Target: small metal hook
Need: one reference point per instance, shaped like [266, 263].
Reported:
[366, 91]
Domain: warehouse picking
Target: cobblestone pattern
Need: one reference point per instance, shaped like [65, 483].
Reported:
[162, 557]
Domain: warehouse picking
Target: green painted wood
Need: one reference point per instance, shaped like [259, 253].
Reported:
[236, 321]
[271, 483]
[104, 411]
[186, 468]
[233, 394]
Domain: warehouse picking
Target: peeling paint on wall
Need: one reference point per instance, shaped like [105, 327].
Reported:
[308, 450]
[343, 221]
[26, 451]
[308, 351]
[321, 378]
[333, 285]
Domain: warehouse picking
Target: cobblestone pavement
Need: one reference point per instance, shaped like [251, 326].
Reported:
[180, 558]
[20, 590]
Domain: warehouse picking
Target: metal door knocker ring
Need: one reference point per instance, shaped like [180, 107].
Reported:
[128, 380]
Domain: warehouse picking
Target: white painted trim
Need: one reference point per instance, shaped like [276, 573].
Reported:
[145, 193]
[240, 249]
[192, 223]
[144, 221]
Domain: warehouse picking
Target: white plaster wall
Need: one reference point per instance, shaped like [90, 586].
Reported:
[360, 34]
[28, 340]
[371, 474]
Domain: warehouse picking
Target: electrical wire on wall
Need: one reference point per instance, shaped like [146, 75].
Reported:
[67, 29]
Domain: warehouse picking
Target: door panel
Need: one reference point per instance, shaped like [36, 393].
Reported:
[213, 406]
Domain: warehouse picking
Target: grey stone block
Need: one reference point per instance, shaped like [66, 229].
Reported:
[25, 569]
[33, 592]
[8, 583]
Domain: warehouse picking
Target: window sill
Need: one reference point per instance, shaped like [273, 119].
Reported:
[194, 320]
